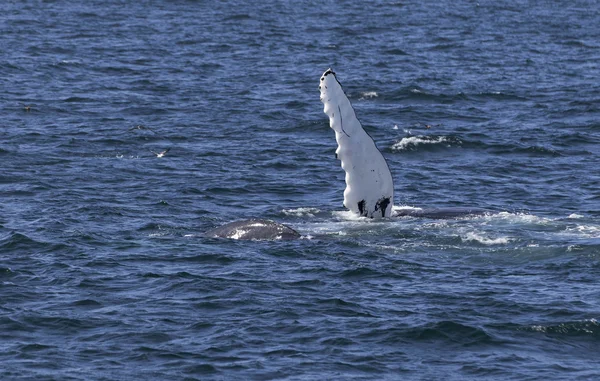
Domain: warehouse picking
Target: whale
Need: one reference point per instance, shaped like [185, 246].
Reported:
[254, 229]
[369, 188]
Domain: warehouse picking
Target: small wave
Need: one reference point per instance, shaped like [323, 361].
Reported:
[296, 105]
[341, 307]
[238, 17]
[35, 347]
[396, 52]
[580, 44]
[412, 142]
[452, 331]
[539, 151]
[90, 303]
[447, 46]
[158, 235]
[593, 250]
[301, 212]
[218, 191]
[368, 95]
[68, 62]
[360, 273]
[17, 241]
[577, 328]
[75, 99]
[533, 150]
[473, 236]
[585, 231]
[497, 95]
[518, 218]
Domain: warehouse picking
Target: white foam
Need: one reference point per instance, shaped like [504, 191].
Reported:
[348, 215]
[516, 218]
[584, 231]
[575, 216]
[405, 207]
[406, 142]
[539, 328]
[369, 94]
[301, 212]
[586, 325]
[473, 236]
[69, 62]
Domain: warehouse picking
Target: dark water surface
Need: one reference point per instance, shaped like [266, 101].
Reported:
[105, 275]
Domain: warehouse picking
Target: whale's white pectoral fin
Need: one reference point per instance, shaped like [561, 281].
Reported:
[369, 185]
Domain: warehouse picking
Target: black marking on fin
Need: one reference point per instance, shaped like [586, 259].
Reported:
[342, 121]
[382, 205]
[361, 208]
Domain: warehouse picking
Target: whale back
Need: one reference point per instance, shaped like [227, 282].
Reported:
[257, 229]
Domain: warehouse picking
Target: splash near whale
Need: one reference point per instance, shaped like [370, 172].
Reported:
[369, 186]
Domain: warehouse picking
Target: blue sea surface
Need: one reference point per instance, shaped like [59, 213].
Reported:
[105, 273]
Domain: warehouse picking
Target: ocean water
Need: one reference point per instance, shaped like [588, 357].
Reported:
[105, 274]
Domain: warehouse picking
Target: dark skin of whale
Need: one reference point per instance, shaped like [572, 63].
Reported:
[257, 229]
[260, 229]
[441, 213]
